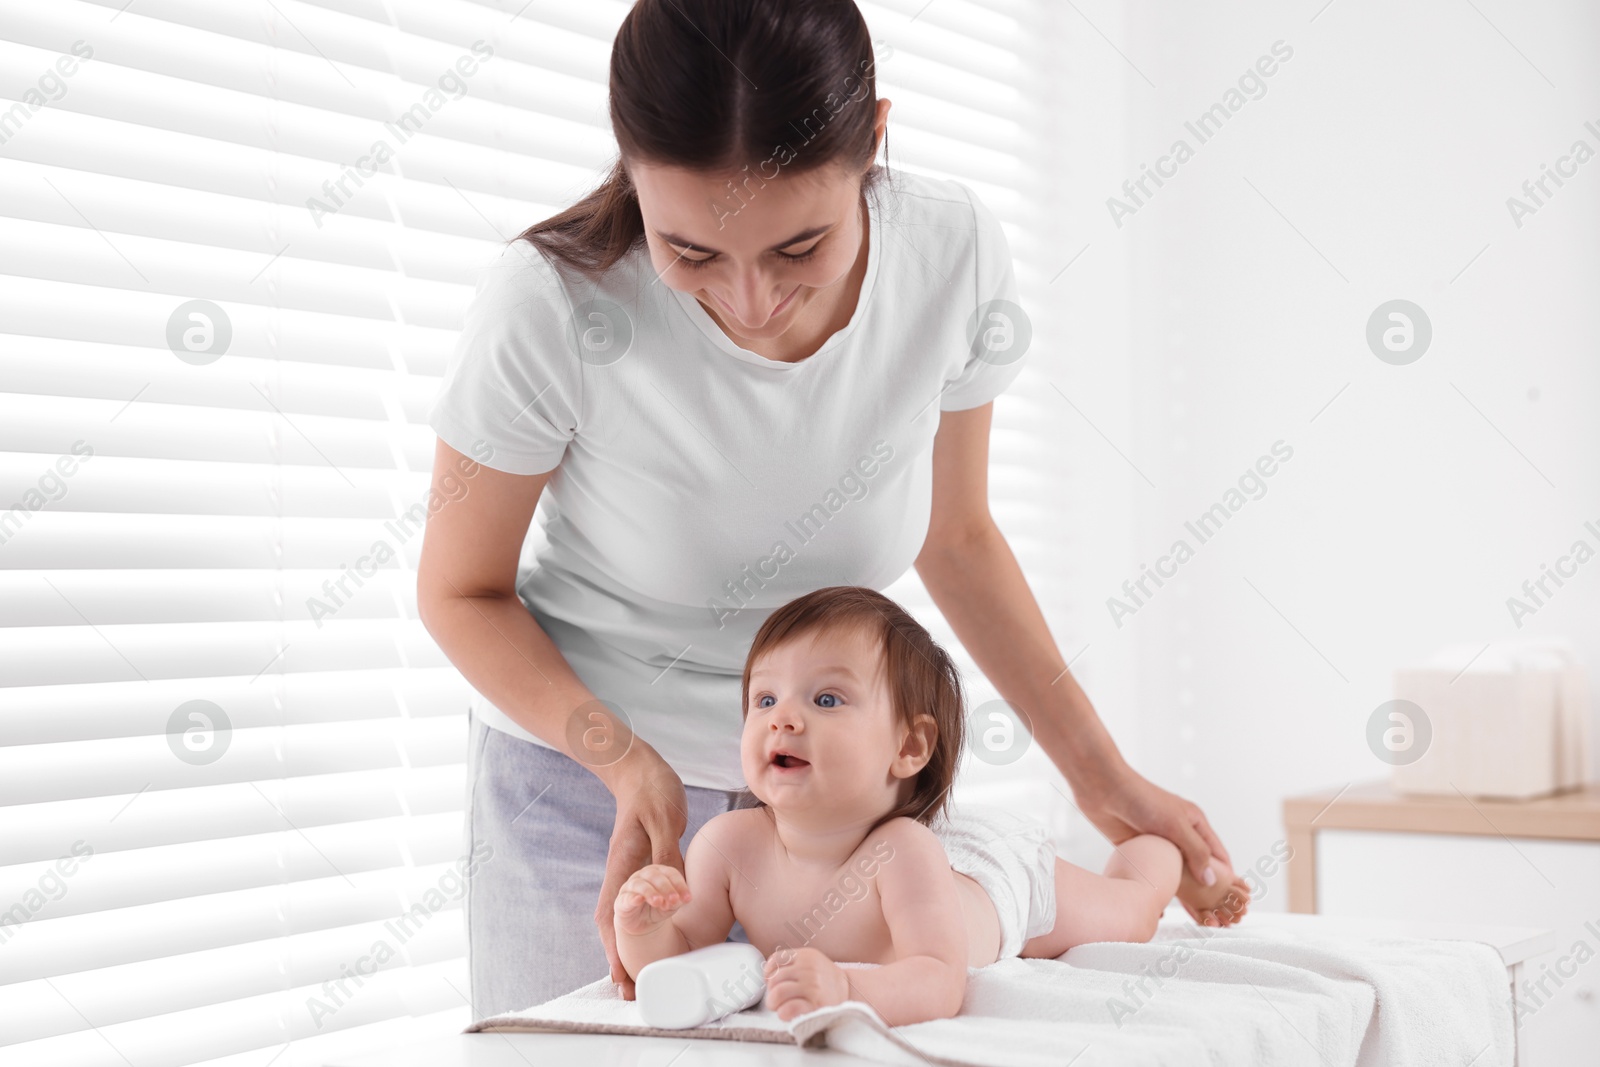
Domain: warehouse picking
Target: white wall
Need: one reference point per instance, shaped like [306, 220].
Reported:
[1376, 166]
[1048, 491]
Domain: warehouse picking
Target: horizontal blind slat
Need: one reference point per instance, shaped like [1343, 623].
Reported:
[344, 452]
[32, 774]
[117, 484]
[45, 655]
[266, 1021]
[161, 988]
[342, 853]
[50, 714]
[44, 833]
[413, 121]
[61, 945]
[120, 204]
[61, 137]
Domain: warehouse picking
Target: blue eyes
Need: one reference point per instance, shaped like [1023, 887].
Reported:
[821, 696]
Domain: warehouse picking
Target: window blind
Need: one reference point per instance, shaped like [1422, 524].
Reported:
[236, 242]
[968, 89]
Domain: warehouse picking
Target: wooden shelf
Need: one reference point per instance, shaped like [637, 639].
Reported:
[1373, 805]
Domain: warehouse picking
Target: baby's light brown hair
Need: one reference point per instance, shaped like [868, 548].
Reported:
[921, 677]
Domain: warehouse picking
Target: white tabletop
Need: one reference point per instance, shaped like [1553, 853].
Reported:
[601, 1050]
[1514, 943]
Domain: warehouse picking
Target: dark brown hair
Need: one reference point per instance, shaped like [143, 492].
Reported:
[921, 678]
[719, 87]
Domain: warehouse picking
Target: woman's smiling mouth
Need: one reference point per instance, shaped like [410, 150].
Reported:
[784, 303]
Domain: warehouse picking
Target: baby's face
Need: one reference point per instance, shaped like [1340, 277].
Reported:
[823, 699]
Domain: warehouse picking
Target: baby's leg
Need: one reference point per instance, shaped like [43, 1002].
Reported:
[1123, 904]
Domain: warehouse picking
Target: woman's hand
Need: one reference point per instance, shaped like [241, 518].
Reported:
[801, 980]
[1125, 804]
[652, 814]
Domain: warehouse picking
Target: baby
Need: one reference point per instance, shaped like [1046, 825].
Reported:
[853, 727]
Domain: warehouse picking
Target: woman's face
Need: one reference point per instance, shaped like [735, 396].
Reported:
[758, 254]
[823, 698]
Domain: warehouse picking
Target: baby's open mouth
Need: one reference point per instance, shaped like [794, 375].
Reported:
[783, 759]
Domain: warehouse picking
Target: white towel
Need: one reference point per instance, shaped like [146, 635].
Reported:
[1191, 996]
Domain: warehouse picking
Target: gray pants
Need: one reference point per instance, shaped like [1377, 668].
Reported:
[530, 903]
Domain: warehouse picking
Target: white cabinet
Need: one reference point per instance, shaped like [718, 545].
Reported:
[1488, 879]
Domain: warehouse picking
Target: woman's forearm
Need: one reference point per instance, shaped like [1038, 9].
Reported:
[910, 990]
[981, 591]
[506, 655]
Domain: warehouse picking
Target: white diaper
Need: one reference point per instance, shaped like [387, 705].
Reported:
[1013, 859]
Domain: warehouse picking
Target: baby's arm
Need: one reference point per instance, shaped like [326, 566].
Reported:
[659, 912]
[928, 979]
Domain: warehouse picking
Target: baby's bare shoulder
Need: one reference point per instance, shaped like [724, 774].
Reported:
[917, 847]
[736, 831]
[908, 831]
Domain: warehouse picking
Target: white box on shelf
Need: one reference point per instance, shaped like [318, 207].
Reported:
[1514, 723]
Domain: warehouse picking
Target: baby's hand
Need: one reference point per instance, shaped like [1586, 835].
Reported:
[802, 980]
[648, 898]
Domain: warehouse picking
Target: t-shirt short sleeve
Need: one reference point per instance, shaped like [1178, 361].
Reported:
[994, 358]
[511, 391]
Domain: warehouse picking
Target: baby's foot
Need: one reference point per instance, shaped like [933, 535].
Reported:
[1221, 904]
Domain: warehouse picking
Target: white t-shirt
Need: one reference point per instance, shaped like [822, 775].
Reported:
[699, 485]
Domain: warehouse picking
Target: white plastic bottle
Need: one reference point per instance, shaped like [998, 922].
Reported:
[701, 985]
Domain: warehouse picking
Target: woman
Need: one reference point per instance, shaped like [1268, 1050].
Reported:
[724, 362]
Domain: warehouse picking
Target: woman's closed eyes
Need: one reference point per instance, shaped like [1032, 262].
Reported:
[785, 256]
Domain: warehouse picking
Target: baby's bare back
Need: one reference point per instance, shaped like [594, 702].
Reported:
[782, 903]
